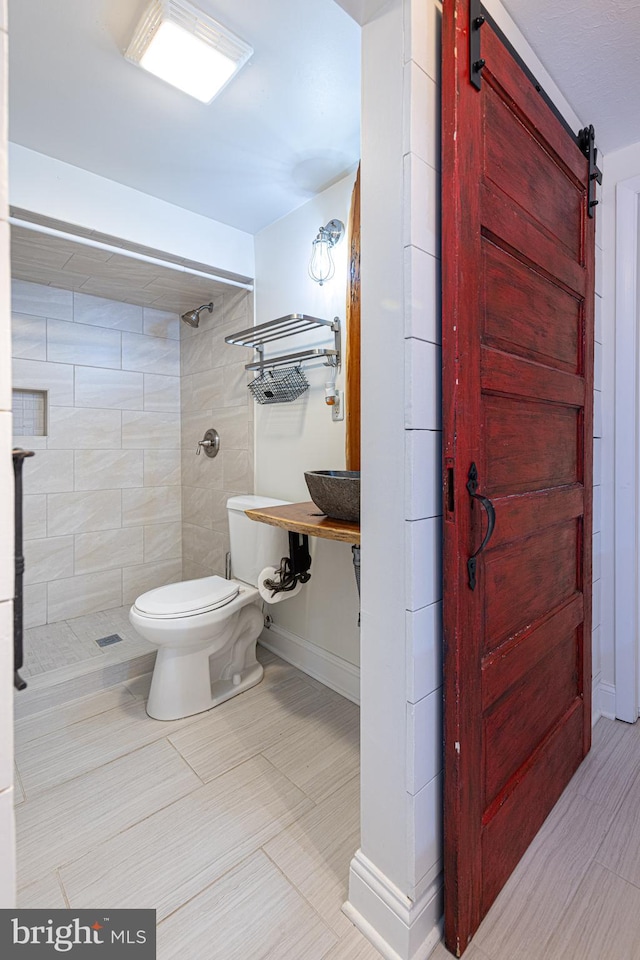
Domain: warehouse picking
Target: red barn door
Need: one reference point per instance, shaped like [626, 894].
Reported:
[518, 295]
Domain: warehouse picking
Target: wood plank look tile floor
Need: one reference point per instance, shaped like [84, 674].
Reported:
[576, 893]
[238, 826]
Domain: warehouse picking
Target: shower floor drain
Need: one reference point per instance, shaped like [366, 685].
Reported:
[107, 641]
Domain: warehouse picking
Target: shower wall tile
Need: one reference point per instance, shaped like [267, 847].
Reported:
[206, 547]
[162, 541]
[143, 506]
[147, 576]
[201, 471]
[108, 469]
[219, 515]
[84, 428]
[197, 354]
[81, 343]
[203, 391]
[237, 472]
[29, 443]
[50, 471]
[84, 512]
[194, 426]
[214, 394]
[112, 314]
[108, 549]
[193, 571]
[41, 301]
[79, 596]
[34, 517]
[161, 323]
[236, 392]
[97, 387]
[28, 337]
[35, 605]
[161, 393]
[55, 378]
[150, 354]
[50, 559]
[161, 468]
[114, 429]
[235, 427]
[150, 430]
[237, 308]
[197, 506]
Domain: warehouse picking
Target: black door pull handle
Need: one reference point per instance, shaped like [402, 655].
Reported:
[472, 487]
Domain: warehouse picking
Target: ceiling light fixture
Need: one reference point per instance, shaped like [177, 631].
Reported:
[187, 48]
[322, 267]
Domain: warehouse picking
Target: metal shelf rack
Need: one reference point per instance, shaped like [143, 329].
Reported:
[288, 326]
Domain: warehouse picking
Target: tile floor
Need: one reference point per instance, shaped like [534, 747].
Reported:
[245, 818]
[56, 646]
[576, 893]
[256, 803]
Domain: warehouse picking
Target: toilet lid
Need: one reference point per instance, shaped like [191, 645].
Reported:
[192, 596]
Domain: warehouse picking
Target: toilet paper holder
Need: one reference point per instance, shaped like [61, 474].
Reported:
[293, 569]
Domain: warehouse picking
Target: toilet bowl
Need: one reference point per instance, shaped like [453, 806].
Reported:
[206, 630]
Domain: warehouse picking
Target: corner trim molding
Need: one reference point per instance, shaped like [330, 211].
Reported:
[332, 671]
[627, 445]
[398, 927]
[607, 700]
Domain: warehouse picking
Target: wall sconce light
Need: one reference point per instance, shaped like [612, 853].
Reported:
[321, 266]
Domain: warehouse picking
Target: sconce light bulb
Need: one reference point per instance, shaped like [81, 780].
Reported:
[321, 267]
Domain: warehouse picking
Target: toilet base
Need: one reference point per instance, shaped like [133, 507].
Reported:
[221, 690]
[188, 681]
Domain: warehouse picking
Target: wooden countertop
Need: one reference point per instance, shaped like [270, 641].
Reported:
[306, 518]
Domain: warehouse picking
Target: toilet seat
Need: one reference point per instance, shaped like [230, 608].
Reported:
[187, 599]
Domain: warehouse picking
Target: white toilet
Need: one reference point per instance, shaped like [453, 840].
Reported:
[207, 629]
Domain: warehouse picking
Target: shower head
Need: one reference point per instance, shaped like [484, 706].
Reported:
[193, 316]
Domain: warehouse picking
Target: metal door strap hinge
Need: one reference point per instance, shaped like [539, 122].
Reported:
[587, 141]
[476, 63]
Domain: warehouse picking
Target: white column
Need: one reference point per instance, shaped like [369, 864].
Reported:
[7, 832]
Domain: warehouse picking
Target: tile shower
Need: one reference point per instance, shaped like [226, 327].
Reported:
[116, 501]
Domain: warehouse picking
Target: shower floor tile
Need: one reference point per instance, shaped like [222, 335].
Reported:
[58, 651]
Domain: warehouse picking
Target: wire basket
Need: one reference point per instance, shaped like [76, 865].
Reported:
[279, 386]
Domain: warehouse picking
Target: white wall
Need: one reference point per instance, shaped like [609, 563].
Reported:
[7, 834]
[293, 437]
[61, 191]
[620, 166]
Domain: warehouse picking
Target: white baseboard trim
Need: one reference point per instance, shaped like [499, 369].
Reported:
[399, 928]
[607, 700]
[339, 675]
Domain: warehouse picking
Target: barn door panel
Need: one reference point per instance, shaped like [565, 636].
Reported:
[518, 295]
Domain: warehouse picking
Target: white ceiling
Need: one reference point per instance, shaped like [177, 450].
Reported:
[591, 48]
[288, 125]
[284, 129]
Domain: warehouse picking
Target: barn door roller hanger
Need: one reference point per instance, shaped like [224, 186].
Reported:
[476, 63]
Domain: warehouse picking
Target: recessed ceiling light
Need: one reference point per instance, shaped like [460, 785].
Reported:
[187, 48]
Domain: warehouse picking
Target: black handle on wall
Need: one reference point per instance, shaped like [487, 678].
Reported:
[19, 457]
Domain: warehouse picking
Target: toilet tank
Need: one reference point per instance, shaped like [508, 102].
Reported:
[254, 545]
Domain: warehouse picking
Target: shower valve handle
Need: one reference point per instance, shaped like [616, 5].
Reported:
[210, 443]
